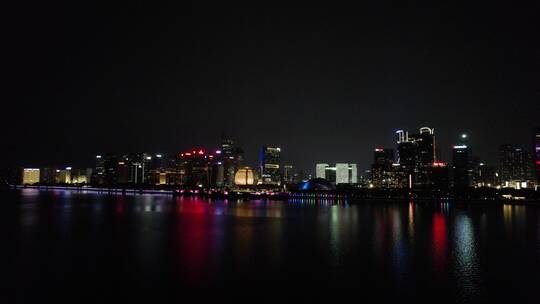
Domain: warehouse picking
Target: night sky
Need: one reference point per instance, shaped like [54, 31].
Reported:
[327, 83]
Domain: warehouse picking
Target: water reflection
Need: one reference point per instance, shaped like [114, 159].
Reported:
[440, 242]
[465, 257]
[400, 247]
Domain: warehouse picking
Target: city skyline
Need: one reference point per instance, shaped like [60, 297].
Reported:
[413, 163]
[331, 81]
[441, 154]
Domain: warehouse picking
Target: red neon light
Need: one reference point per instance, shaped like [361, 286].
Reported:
[439, 164]
[538, 162]
[201, 152]
[379, 150]
[188, 154]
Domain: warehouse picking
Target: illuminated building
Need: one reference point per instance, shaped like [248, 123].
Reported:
[30, 176]
[288, 174]
[486, 176]
[461, 166]
[536, 151]
[98, 175]
[382, 167]
[63, 176]
[320, 170]
[244, 177]
[218, 174]
[232, 158]
[81, 176]
[416, 154]
[110, 168]
[200, 168]
[341, 173]
[156, 174]
[269, 165]
[516, 167]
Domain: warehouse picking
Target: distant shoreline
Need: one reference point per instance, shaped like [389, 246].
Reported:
[288, 196]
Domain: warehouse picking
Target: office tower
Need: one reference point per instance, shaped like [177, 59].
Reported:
[288, 174]
[196, 168]
[462, 166]
[63, 176]
[156, 171]
[110, 168]
[408, 158]
[98, 174]
[438, 177]
[341, 173]
[269, 164]
[516, 167]
[30, 176]
[231, 157]
[536, 151]
[381, 170]
[218, 174]
[383, 156]
[320, 170]
[506, 162]
[486, 176]
[426, 146]
[80, 176]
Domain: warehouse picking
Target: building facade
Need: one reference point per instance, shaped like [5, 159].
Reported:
[269, 165]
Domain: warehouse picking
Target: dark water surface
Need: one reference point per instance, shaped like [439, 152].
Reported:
[67, 242]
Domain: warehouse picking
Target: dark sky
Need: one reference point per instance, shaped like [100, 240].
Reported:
[327, 83]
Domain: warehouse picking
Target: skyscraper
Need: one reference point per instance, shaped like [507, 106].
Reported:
[231, 157]
[462, 166]
[536, 151]
[269, 164]
[516, 167]
[381, 170]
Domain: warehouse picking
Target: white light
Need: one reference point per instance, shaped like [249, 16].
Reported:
[460, 147]
[158, 155]
[464, 136]
[98, 156]
[68, 168]
[149, 157]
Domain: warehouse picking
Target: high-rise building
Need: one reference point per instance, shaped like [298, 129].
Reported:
[288, 174]
[196, 168]
[462, 166]
[232, 158]
[516, 167]
[382, 168]
[30, 176]
[438, 176]
[416, 155]
[269, 164]
[320, 170]
[536, 151]
[341, 173]
[486, 176]
[63, 176]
